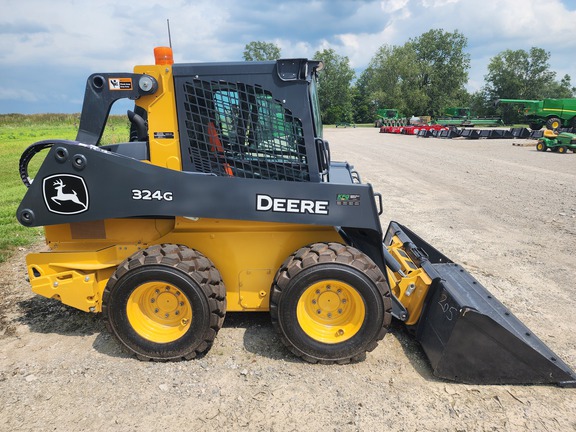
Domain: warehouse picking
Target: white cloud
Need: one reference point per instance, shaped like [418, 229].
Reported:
[391, 6]
[17, 94]
[75, 38]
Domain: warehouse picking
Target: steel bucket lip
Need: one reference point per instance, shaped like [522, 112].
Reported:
[485, 346]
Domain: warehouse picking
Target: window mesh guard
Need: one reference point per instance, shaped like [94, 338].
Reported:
[240, 130]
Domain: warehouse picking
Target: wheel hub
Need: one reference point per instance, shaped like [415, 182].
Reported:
[330, 311]
[167, 303]
[159, 311]
[329, 303]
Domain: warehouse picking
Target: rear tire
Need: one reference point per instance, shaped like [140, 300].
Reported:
[166, 302]
[330, 304]
[535, 126]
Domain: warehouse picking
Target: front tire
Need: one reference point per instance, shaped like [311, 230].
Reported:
[541, 146]
[166, 302]
[553, 123]
[330, 304]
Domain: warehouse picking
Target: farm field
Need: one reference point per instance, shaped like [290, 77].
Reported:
[506, 213]
[17, 132]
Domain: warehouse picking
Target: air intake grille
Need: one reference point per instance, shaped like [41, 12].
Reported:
[240, 130]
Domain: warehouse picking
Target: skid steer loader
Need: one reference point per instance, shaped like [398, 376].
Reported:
[225, 199]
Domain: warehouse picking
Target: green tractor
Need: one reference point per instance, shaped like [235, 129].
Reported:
[386, 115]
[560, 143]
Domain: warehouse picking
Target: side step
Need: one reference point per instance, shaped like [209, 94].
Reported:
[468, 335]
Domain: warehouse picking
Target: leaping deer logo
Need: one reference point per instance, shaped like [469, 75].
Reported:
[65, 194]
[62, 196]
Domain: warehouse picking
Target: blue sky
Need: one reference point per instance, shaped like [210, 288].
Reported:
[48, 48]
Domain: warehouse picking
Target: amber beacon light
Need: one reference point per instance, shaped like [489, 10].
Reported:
[163, 56]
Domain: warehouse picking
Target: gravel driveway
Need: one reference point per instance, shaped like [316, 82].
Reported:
[507, 213]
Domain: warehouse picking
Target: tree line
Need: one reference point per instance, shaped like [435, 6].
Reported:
[425, 76]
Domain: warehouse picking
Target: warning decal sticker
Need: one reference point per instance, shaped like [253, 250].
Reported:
[348, 200]
[120, 83]
[163, 135]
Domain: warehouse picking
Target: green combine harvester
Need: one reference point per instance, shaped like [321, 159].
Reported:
[552, 113]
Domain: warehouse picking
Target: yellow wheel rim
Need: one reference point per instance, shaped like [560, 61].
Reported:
[330, 311]
[159, 312]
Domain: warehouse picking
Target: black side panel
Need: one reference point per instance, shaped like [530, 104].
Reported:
[83, 183]
[135, 149]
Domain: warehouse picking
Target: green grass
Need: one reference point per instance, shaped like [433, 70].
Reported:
[17, 132]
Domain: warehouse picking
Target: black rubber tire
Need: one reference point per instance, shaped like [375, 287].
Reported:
[535, 126]
[195, 277]
[553, 123]
[330, 261]
[541, 146]
[562, 149]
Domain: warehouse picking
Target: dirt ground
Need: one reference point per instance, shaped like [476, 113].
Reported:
[507, 213]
